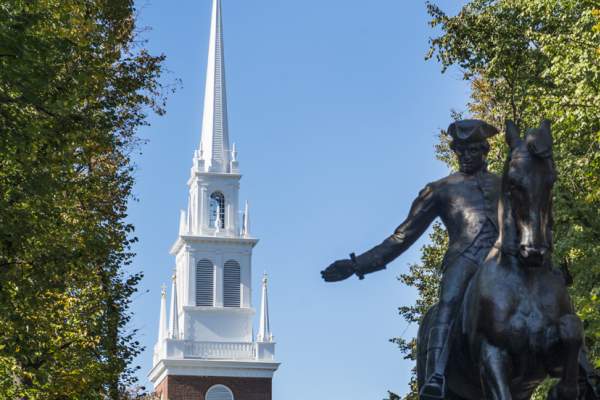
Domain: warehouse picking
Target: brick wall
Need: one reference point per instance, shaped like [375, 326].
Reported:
[195, 387]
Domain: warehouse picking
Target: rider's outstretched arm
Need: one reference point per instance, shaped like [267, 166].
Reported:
[422, 213]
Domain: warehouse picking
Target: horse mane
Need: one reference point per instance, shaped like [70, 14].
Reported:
[506, 223]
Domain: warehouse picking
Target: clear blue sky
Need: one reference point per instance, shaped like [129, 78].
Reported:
[335, 114]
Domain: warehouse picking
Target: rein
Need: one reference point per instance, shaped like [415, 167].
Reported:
[506, 249]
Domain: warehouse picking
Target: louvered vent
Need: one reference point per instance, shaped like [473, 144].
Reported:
[231, 284]
[219, 392]
[205, 283]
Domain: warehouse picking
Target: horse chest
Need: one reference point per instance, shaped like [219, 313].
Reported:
[530, 321]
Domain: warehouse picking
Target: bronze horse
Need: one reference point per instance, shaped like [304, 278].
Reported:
[517, 324]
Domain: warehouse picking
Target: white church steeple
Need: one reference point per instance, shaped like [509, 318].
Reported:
[210, 327]
[215, 133]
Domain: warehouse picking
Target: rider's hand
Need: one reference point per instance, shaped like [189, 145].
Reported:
[338, 271]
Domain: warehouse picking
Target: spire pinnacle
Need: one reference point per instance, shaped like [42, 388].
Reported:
[215, 134]
[162, 325]
[174, 321]
[264, 329]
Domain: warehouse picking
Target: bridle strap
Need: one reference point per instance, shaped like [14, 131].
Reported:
[509, 250]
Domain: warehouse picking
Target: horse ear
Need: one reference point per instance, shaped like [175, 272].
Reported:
[546, 127]
[513, 137]
[539, 141]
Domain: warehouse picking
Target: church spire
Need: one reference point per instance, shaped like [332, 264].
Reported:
[174, 320]
[264, 329]
[215, 135]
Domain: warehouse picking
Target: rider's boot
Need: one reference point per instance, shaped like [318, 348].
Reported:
[434, 387]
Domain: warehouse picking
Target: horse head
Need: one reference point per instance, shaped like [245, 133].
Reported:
[528, 179]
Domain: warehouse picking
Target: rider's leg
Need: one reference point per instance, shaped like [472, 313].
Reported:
[571, 338]
[454, 282]
[495, 372]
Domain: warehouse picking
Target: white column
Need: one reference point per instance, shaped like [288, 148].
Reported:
[203, 209]
[218, 259]
[235, 206]
[198, 209]
[247, 280]
[191, 279]
[190, 213]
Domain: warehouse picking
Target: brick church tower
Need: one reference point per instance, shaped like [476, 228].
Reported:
[206, 349]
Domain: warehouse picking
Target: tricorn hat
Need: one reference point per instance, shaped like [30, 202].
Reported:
[471, 130]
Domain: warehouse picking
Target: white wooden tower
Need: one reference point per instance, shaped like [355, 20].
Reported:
[207, 340]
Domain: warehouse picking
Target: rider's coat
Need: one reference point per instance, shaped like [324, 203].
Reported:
[467, 205]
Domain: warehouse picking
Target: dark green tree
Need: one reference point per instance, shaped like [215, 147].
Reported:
[75, 85]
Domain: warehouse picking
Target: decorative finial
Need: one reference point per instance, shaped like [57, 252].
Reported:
[264, 329]
[163, 332]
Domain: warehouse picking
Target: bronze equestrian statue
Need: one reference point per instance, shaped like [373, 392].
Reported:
[467, 203]
[516, 324]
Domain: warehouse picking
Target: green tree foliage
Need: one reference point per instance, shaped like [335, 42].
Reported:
[75, 84]
[528, 60]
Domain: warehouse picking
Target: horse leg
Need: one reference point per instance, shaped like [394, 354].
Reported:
[496, 370]
[571, 338]
[589, 389]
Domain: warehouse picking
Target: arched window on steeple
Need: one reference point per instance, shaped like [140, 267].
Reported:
[217, 210]
[231, 284]
[205, 283]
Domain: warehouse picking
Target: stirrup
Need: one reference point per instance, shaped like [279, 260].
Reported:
[434, 388]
